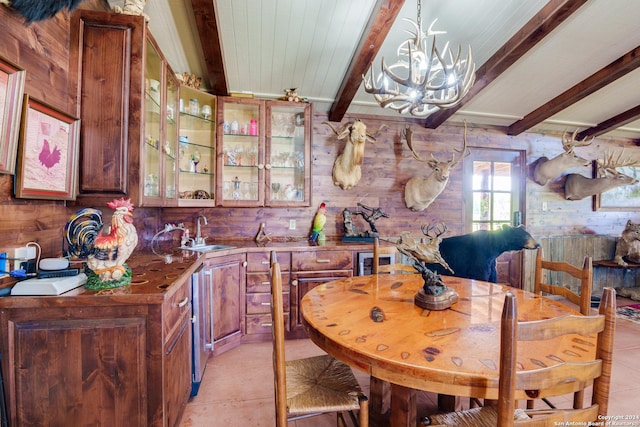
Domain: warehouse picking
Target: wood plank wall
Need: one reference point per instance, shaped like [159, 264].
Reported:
[43, 50]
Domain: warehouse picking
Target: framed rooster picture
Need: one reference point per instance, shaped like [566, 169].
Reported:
[48, 154]
[11, 94]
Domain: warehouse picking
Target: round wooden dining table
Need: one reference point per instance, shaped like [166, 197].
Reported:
[372, 324]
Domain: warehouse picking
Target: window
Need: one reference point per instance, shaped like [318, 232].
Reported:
[493, 182]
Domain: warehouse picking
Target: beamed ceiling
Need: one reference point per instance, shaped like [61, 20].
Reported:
[541, 64]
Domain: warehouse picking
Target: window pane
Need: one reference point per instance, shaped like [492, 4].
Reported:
[502, 176]
[480, 226]
[501, 206]
[481, 206]
[481, 175]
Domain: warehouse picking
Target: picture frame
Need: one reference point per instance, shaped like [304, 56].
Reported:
[48, 153]
[12, 79]
[625, 198]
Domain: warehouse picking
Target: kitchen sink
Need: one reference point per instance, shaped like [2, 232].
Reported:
[206, 248]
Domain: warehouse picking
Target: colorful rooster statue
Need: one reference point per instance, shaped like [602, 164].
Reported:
[106, 253]
[319, 220]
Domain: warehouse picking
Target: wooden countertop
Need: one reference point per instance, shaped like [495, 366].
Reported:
[153, 274]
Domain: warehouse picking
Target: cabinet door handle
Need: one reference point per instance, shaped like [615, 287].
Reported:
[267, 166]
[184, 302]
[294, 282]
[265, 262]
[265, 303]
[266, 283]
[266, 324]
[323, 261]
[245, 263]
[260, 166]
[209, 345]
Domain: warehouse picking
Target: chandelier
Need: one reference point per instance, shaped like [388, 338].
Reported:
[432, 81]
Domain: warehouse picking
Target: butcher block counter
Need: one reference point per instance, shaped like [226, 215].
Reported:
[123, 356]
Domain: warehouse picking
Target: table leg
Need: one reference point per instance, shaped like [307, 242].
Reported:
[447, 403]
[379, 396]
[403, 406]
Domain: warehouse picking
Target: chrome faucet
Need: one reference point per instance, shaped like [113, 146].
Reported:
[200, 241]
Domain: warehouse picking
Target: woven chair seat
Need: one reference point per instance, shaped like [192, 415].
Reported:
[320, 384]
[477, 417]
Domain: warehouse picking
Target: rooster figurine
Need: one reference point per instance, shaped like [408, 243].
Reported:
[106, 253]
[319, 220]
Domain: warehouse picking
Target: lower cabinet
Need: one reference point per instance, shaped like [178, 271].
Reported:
[227, 275]
[310, 269]
[100, 361]
[258, 294]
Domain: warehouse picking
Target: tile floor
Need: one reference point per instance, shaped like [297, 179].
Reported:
[238, 385]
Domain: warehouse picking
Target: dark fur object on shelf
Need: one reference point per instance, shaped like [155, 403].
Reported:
[38, 10]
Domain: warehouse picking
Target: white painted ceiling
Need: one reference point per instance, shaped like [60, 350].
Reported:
[271, 45]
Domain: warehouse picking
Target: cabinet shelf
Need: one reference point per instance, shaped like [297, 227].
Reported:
[197, 173]
[194, 117]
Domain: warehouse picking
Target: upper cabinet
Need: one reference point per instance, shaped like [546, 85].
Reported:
[264, 153]
[128, 104]
[197, 150]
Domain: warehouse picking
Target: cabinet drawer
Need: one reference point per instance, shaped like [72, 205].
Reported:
[260, 282]
[261, 261]
[174, 307]
[261, 323]
[261, 303]
[322, 260]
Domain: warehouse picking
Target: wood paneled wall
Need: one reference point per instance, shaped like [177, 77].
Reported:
[43, 50]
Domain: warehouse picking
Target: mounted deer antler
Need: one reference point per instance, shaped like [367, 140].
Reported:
[548, 170]
[577, 187]
[347, 169]
[419, 192]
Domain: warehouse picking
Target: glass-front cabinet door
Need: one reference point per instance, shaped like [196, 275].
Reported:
[241, 152]
[170, 150]
[288, 157]
[151, 151]
[197, 148]
[264, 153]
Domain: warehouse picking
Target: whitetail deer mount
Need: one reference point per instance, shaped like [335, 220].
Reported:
[347, 169]
[547, 170]
[577, 187]
[420, 192]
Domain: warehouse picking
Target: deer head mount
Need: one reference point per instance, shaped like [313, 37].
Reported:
[577, 187]
[347, 169]
[548, 170]
[420, 192]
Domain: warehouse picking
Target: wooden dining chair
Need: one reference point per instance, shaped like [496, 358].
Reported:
[562, 378]
[581, 299]
[388, 268]
[314, 385]
[584, 274]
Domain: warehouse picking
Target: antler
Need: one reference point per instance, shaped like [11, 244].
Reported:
[338, 131]
[464, 152]
[610, 163]
[408, 135]
[569, 144]
[439, 227]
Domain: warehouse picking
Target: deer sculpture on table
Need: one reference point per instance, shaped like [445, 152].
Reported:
[347, 169]
[547, 170]
[420, 192]
[577, 187]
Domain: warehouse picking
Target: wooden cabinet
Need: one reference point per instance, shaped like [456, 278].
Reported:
[197, 155]
[310, 269]
[264, 153]
[258, 294]
[228, 277]
[113, 360]
[128, 98]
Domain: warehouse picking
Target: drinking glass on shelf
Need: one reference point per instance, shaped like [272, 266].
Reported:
[275, 186]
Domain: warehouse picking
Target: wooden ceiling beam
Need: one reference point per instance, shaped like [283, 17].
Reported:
[382, 18]
[601, 78]
[205, 17]
[610, 124]
[554, 13]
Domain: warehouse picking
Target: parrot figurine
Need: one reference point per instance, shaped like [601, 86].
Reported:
[318, 222]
